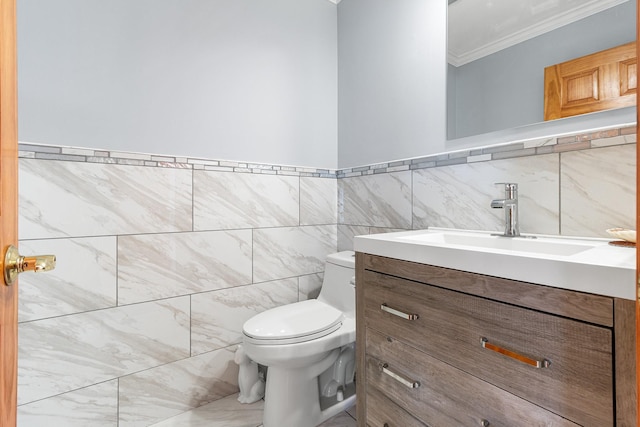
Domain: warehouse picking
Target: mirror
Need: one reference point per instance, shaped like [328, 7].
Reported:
[498, 50]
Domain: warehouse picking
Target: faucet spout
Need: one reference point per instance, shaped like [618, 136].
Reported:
[498, 204]
[510, 206]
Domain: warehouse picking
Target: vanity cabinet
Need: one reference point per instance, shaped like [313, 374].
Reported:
[439, 347]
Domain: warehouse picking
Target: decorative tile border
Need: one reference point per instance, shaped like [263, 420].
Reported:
[606, 138]
[618, 136]
[50, 152]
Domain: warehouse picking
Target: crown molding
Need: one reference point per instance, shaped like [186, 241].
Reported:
[582, 11]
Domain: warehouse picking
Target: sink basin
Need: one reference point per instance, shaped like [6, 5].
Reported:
[575, 263]
[536, 245]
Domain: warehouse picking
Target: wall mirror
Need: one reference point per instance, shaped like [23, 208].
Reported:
[497, 52]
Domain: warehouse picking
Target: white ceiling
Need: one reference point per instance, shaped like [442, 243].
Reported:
[479, 28]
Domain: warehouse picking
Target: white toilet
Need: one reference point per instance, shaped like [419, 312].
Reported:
[309, 349]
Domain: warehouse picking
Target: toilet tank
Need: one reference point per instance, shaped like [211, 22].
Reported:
[338, 286]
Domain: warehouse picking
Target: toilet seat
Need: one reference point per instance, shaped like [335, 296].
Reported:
[293, 323]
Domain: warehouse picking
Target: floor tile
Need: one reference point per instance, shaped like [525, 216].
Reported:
[228, 412]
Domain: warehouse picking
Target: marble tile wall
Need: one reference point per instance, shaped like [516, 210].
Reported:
[441, 197]
[598, 190]
[577, 185]
[161, 259]
[160, 262]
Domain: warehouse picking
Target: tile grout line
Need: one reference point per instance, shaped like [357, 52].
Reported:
[560, 194]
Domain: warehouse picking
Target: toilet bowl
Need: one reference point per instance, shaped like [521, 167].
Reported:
[309, 350]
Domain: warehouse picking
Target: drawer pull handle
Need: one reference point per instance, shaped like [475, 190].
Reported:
[485, 423]
[544, 363]
[385, 307]
[405, 382]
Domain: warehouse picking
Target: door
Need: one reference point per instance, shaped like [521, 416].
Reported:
[637, 228]
[8, 211]
[596, 82]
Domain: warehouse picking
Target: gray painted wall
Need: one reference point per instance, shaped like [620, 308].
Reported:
[239, 80]
[506, 89]
[392, 71]
[258, 81]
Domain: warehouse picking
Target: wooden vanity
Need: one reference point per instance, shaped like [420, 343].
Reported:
[445, 348]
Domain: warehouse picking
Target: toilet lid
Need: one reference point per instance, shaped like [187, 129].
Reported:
[300, 321]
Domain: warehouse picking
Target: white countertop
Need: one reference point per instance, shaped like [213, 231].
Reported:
[596, 267]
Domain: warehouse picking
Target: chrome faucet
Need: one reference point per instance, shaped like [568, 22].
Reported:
[510, 206]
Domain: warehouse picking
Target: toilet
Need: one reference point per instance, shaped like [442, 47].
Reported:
[309, 350]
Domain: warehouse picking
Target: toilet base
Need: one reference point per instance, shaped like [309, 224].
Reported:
[295, 400]
[344, 393]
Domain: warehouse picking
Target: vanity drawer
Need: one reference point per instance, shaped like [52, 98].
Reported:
[446, 396]
[450, 326]
[382, 412]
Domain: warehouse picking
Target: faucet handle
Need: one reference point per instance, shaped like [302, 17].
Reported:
[510, 189]
[507, 185]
